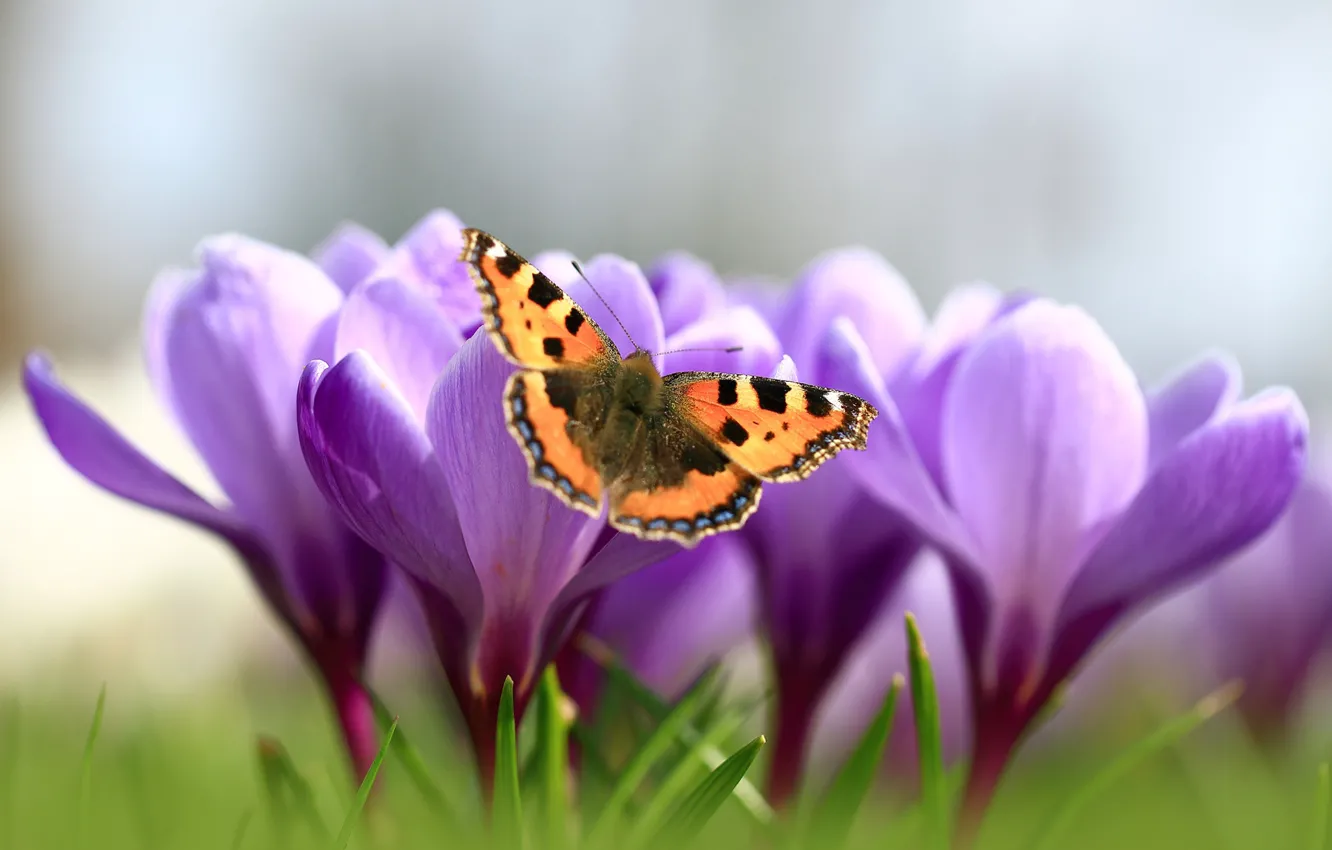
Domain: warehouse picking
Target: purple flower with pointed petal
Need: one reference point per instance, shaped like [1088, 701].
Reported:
[225, 346]
[827, 554]
[1064, 499]
[1269, 612]
[405, 435]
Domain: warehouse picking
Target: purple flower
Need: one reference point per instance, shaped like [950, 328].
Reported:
[1269, 612]
[827, 554]
[405, 435]
[225, 346]
[858, 692]
[1064, 498]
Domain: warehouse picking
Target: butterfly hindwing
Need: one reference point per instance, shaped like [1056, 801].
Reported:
[778, 430]
[533, 322]
[541, 407]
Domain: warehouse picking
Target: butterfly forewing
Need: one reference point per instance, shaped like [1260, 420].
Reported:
[533, 322]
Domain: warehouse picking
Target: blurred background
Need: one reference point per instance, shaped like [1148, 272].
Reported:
[1165, 163]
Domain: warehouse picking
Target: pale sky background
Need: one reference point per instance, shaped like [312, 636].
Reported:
[1165, 163]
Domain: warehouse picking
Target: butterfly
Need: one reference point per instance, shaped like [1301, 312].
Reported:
[680, 456]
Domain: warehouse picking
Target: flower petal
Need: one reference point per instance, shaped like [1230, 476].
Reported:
[350, 254]
[372, 461]
[670, 620]
[99, 453]
[1044, 437]
[1190, 400]
[686, 288]
[890, 469]
[1220, 489]
[234, 346]
[860, 285]
[723, 328]
[404, 332]
[428, 256]
[524, 543]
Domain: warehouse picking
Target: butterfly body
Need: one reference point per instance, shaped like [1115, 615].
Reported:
[680, 456]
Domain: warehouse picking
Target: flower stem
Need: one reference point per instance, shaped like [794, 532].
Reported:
[356, 717]
[996, 735]
[794, 723]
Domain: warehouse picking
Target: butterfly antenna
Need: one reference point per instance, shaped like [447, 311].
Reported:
[730, 350]
[579, 269]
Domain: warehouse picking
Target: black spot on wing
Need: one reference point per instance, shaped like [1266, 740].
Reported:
[734, 431]
[771, 393]
[703, 458]
[553, 346]
[816, 402]
[726, 391]
[542, 292]
[562, 392]
[573, 322]
[768, 437]
[509, 264]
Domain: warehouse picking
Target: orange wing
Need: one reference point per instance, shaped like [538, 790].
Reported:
[531, 320]
[540, 406]
[703, 503]
[777, 430]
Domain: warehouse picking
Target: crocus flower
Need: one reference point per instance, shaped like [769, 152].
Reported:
[1064, 497]
[405, 435]
[857, 694]
[225, 346]
[1268, 612]
[827, 554]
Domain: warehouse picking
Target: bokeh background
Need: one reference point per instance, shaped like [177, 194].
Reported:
[1165, 163]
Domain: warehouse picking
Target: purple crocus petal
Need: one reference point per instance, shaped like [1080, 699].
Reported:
[1270, 609]
[890, 469]
[1190, 400]
[234, 346]
[372, 461]
[525, 544]
[670, 620]
[99, 453]
[723, 328]
[920, 386]
[428, 256]
[404, 331]
[350, 254]
[860, 285]
[1222, 487]
[687, 290]
[1045, 437]
[765, 295]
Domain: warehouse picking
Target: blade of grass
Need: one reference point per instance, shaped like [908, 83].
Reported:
[832, 818]
[702, 803]
[676, 783]
[553, 753]
[1206, 708]
[85, 776]
[9, 757]
[929, 739]
[280, 769]
[363, 793]
[619, 676]
[1318, 830]
[270, 768]
[242, 827]
[409, 758]
[507, 807]
[662, 739]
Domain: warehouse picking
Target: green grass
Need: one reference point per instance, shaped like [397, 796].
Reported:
[186, 774]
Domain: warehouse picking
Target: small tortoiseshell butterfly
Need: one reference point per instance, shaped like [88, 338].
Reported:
[681, 456]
